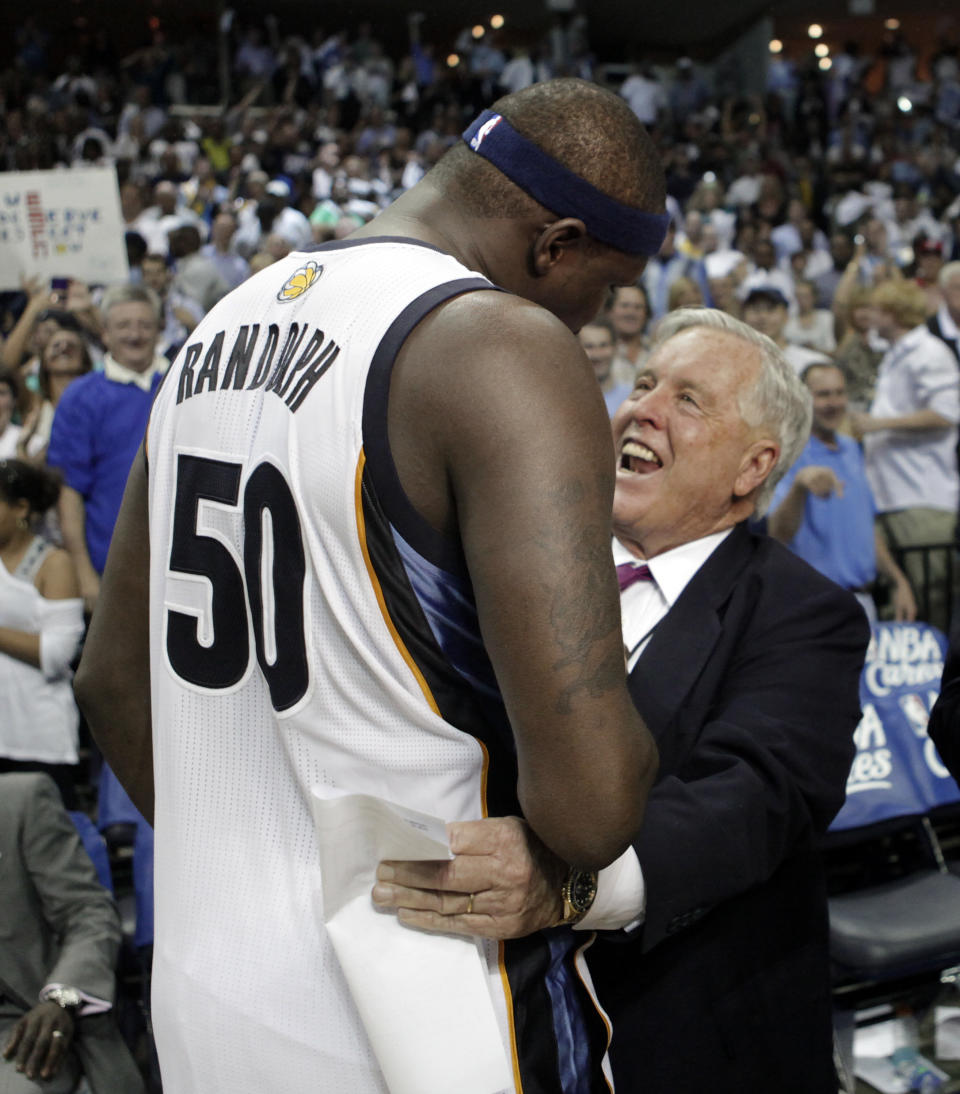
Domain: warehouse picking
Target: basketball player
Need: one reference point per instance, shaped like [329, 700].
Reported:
[378, 492]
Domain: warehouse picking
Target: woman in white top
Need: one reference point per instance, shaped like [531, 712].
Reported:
[41, 623]
[811, 327]
[63, 358]
[9, 433]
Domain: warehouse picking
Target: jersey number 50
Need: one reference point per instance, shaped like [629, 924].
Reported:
[275, 598]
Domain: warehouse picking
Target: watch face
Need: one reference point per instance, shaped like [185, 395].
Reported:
[65, 997]
[583, 889]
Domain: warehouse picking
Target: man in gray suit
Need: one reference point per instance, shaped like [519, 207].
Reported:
[59, 936]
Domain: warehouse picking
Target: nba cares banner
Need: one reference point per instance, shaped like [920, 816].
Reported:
[897, 770]
[61, 224]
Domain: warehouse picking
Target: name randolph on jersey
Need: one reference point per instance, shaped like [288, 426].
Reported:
[289, 380]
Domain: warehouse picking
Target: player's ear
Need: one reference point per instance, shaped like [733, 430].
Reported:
[554, 241]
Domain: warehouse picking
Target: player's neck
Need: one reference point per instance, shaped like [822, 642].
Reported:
[424, 216]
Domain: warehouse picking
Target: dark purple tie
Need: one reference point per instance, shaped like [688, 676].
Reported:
[627, 574]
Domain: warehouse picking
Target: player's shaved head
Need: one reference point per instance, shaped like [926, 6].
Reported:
[589, 130]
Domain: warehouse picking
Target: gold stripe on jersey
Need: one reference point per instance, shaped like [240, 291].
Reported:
[511, 1023]
[378, 591]
[580, 955]
[428, 695]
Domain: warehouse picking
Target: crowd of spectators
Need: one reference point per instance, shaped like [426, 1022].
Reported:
[789, 210]
[825, 213]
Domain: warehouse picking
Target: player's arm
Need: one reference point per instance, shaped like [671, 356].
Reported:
[517, 422]
[112, 684]
[770, 764]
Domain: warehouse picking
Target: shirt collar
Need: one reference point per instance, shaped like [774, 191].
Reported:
[120, 374]
[674, 569]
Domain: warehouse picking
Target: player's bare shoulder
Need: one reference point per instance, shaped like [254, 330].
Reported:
[492, 335]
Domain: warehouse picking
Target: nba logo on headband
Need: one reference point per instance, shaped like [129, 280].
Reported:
[482, 132]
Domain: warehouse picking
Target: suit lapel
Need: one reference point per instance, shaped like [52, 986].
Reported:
[687, 635]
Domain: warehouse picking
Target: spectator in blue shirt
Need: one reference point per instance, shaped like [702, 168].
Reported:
[98, 426]
[823, 509]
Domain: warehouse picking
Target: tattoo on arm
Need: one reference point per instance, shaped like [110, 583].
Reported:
[580, 616]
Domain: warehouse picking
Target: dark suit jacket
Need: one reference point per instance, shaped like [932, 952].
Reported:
[750, 687]
[933, 325]
[944, 727]
[58, 925]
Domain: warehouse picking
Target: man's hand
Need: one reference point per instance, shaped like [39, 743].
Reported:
[89, 582]
[819, 481]
[78, 296]
[37, 290]
[904, 602]
[40, 1040]
[503, 883]
[860, 424]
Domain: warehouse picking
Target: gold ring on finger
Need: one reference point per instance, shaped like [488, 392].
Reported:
[470, 904]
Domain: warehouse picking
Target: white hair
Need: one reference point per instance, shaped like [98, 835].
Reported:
[128, 293]
[778, 399]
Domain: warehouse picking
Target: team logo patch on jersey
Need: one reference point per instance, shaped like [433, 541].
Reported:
[299, 281]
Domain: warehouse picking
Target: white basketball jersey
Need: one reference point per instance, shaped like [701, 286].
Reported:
[309, 629]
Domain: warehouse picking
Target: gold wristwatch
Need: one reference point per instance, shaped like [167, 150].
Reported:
[578, 893]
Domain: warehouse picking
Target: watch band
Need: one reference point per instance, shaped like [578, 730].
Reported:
[578, 893]
[68, 998]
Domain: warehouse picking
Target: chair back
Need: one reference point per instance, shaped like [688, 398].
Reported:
[894, 904]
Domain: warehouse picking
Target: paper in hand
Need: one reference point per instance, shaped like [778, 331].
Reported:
[423, 998]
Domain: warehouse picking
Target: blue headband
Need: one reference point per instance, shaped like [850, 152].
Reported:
[557, 188]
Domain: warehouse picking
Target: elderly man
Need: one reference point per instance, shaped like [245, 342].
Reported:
[745, 664]
[357, 555]
[98, 427]
[910, 442]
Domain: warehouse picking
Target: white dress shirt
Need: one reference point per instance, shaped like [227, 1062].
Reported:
[120, 374]
[621, 893]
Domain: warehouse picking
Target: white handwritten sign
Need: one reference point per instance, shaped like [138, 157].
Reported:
[61, 224]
